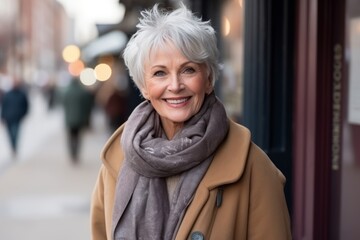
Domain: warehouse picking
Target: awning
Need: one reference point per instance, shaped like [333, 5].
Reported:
[110, 43]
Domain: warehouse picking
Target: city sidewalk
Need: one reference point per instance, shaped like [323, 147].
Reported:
[42, 194]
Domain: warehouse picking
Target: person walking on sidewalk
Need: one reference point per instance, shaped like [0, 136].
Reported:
[116, 109]
[78, 103]
[15, 105]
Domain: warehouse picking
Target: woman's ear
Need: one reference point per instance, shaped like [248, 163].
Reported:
[144, 93]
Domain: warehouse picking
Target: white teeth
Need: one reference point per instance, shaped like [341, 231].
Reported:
[176, 101]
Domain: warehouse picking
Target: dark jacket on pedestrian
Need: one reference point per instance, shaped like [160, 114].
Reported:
[15, 105]
[78, 103]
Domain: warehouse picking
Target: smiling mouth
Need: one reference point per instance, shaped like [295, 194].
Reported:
[177, 101]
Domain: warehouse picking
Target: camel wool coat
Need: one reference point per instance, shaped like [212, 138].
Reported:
[240, 197]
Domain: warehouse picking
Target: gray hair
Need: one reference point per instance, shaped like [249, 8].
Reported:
[194, 38]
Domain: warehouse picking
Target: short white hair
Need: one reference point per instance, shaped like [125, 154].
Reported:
[195, 39]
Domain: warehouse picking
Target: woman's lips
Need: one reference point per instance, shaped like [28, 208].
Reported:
[177, 100]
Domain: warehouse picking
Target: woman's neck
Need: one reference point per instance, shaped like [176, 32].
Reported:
[171, 128]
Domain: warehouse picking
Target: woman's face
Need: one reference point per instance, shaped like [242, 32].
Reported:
[175, 86]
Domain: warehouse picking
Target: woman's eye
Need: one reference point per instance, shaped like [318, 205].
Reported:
[159, 73]
[189, 70]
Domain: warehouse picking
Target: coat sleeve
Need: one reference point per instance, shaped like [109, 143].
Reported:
[97, 209]
[268, 212]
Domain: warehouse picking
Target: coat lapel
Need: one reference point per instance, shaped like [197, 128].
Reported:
[227, 167]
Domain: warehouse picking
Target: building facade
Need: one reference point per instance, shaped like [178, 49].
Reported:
[31, 41]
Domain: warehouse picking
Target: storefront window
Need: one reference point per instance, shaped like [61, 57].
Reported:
[350, 172]
[232, 18]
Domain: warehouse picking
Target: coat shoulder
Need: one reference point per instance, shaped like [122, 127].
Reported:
[112, 154]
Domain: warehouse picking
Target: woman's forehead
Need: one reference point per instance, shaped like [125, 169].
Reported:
[167, 49]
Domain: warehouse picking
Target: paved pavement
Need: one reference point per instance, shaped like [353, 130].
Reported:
[43, 195]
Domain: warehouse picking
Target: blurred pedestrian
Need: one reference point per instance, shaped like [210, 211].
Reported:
[15, 105]
[1, 96]
[50, 94]
[116, 109]
[179, 167]
[78, 103]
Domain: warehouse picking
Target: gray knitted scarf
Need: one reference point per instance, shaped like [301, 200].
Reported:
[142, 209]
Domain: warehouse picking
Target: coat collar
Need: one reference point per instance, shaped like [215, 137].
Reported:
[229, 161]
[112, 155]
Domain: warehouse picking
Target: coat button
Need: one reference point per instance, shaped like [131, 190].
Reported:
[197, 236]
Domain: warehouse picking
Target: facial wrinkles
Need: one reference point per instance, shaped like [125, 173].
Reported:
[173, 71]
[175, 86]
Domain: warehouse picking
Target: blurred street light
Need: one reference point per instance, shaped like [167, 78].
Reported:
[103, 72]
[87, 77]
[71, 53]
[76, 67]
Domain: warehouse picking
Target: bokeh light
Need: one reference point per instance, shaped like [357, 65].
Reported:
[76, 67]
[103, 72]
[71, 53]
[87, 77]
[226, 26]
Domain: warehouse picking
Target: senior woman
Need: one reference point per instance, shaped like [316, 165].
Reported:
[179, 168]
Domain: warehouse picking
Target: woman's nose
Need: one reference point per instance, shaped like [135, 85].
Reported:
[175, 84]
